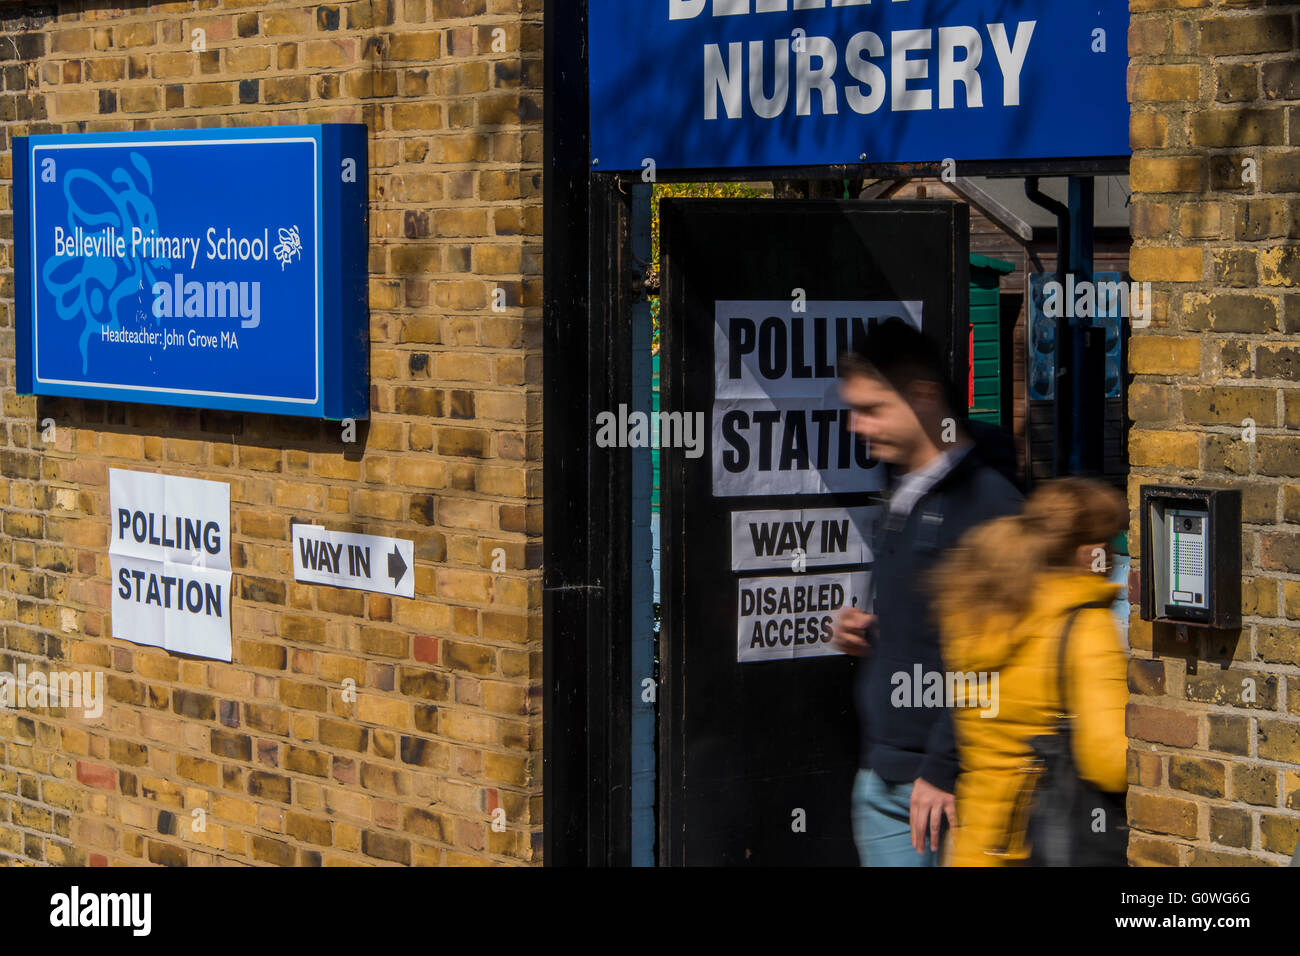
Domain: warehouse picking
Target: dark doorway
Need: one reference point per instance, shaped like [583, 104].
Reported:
[758, 750]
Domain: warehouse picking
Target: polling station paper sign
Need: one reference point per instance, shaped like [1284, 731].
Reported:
[779, 427]
[211, 268]
[169, 556]
[784, 618]
[750, 83]
[364, 561]
[801, 538]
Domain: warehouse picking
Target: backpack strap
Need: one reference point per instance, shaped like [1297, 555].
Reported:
[1060, 653]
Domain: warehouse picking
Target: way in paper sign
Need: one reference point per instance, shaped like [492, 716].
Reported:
[363, 561]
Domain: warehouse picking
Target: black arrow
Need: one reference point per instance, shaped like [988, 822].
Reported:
[396, 566]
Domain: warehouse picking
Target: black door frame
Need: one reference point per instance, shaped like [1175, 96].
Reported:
[587, 358]
[587, 368]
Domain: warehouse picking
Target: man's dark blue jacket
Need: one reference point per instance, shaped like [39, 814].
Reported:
[903, 743]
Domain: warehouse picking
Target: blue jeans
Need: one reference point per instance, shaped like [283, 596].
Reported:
[881, 814]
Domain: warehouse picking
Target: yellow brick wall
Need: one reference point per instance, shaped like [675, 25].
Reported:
[1214, 723]
[445, 727]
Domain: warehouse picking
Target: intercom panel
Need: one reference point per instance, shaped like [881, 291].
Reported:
[1191, 555]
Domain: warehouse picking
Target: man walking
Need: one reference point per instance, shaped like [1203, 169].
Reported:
[899, 397]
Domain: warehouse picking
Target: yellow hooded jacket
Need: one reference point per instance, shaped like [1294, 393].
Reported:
[994, 788]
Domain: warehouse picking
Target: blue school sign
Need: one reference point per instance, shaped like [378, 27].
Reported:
[213, 268]
[735, 83]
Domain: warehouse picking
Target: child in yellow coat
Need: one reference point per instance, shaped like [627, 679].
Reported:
[1003, 597]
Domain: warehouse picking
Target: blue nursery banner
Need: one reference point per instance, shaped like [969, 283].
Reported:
[214, 268]
[751, 83]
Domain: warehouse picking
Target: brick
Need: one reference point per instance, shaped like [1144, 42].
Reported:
[344, 736]
[135, 34]
[1280, 266]
[1161, 725]
[1278, 740]
[1291, 789]
[172, 65]
[384, 711]
[1200, 220]
[1202, 856]
[1229, 406]
[1278, 644]
[1260, 597]
[1143, 851]
[96, 775]
[1230, 313]
[423, 46]
[1281, 79]
[1230, 827]
[165, 854]
[386, 846]
[204, 772]
[1147, 36]
[461, 442]
[1233, 688]
[1165, 175]
[287, 22]
[1144, 769]
[231, 745]
[1166, 449]
[302, 760]
[1255, 784]
[1279, 834]
[308, 829]
[1238, 127]
[1277, 455]
[192, 704]
[1146, 677]
[1236, 82]
[1165, 84]
[1160, 813]
[286, 89]
[319, 54]
[276, 852]
[270, 786]
[1229, 734]
[1197, 775]
[304, 696]
[1258, 219]
[1244, 35]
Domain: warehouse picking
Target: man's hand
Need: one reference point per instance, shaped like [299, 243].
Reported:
[929, 806]
[849, 635]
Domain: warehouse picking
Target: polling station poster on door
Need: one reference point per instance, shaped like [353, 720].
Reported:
[767, 530]
[169, 557]
[780, 428]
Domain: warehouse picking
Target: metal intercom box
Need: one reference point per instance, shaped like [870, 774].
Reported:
[1191, 555]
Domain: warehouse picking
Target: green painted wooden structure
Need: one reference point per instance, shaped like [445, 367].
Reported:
[988, 364]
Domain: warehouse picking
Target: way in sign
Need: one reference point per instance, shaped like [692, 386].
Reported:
[345, 559]
[778, 537]
[324, 556]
